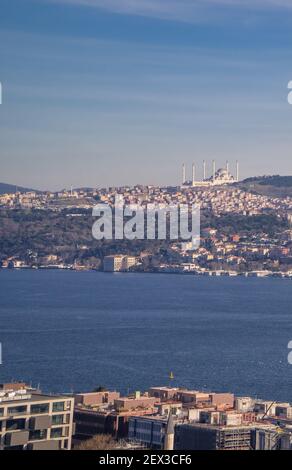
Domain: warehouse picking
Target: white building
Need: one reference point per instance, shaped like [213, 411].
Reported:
[220, 177]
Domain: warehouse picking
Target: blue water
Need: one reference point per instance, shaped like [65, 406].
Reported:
[77, 330]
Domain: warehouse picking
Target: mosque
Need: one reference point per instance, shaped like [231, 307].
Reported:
[219, 177]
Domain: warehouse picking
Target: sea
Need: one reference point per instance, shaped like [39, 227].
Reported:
[68, 331]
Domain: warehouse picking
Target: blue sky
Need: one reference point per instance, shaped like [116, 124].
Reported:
[113, 92]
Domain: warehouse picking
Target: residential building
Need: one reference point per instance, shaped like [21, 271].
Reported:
[30, 420]
[209, 437]
[96, 398]
[114, 263]
[153, 432]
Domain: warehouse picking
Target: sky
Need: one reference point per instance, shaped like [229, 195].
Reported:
[114, 92]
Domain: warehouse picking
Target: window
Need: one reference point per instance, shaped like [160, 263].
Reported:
[38, 435]
[66, 444]
[59, 406]
[39, 408]
[15, 424]
[15, 410]
[57, 419]
[56, 432]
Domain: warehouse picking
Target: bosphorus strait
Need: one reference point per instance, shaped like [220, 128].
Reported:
[73, 331]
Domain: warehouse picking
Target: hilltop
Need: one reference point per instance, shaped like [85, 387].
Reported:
[275, 186]
[6, 188]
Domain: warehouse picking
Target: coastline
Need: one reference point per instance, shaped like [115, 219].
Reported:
[216, 274]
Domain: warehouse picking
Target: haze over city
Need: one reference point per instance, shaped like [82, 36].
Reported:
[99, 93]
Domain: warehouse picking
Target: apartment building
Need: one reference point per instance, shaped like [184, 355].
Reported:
[209, 437]
[108, 413]
[149, 431]
[96, 399]
[30, 420]
[113, 263]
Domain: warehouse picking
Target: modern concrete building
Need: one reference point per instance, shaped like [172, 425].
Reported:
[137, 401]
[96, 398]
[284, 410]
[208, 437]
[265, 408]
[116, 263]
[89, 422]
[164, 393]
[30, 420]
[271, 437]
[194, 397]
[93, 415]
[153, 432]
[148, 431]
[244, 404]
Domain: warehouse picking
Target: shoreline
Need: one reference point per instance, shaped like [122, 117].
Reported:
[210, 274]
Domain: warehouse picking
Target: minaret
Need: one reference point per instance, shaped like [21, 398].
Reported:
[237, 170]
[183, 174]
[194, 174]
[169, 433]
[214, 170]
[227, 166]
[204, 170]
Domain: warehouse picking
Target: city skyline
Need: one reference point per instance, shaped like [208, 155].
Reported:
[120, 93]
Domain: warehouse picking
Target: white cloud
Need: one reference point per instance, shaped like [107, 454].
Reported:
[182, 10]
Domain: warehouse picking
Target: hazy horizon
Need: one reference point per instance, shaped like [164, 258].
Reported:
[102, 93]
[117, 185]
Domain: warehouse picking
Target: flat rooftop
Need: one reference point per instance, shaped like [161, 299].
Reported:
[222, 428]
[30, 397]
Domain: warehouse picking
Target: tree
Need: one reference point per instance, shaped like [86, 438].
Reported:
[98, 442]
[100, 388]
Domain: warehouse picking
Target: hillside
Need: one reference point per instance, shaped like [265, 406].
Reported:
[274, 186]
[11, 188]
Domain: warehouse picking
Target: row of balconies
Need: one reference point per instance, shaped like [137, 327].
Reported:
[38, 422]
[37, 431]
[21, 438]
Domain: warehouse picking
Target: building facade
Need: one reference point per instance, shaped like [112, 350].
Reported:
[206, 437]
[30, 420]
[116, 263]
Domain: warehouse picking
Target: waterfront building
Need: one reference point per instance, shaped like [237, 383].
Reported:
[153, 432]
[30, 420]
[96, 399]
[116, 263]
[271, 437]
[109, 414]
[208, 437]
